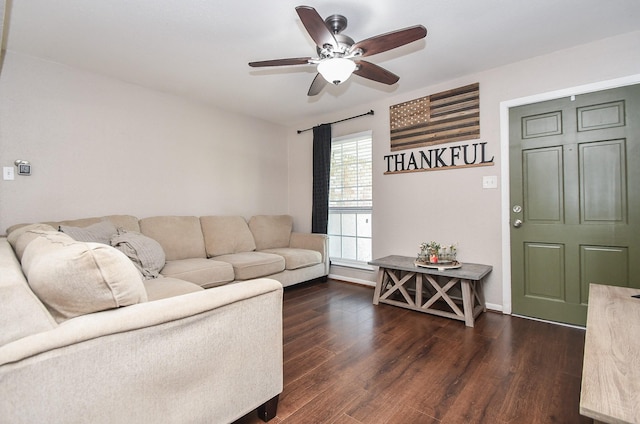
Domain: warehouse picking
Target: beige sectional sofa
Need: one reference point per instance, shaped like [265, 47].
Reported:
[214, 250]
[173, 319]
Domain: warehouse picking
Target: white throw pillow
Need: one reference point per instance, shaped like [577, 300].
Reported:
[74, 278]
[20, 238]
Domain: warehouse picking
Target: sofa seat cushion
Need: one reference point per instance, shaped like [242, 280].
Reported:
[224, 235]
[248, 265]
[297, 258]
[200, 271]
[271, 231]
[75, 278]
[163, 287]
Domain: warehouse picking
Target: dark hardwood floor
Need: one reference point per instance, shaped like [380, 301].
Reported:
[347, 361]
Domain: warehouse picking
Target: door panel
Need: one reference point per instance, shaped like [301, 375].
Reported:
[574, 163]
[544, 269]
[599, 117]
[603, 181]
[542, 125]
[603, 265]
[543, 189]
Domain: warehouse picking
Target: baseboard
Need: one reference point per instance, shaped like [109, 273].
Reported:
[352, 280]
[494, 307]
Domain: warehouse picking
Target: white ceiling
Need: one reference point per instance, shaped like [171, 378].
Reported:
[200, 48]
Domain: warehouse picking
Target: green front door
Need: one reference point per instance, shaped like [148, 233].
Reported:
[575, 201]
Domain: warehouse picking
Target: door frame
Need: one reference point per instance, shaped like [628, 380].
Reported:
[504, 162]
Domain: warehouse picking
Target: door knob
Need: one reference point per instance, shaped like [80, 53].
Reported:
[517, 223]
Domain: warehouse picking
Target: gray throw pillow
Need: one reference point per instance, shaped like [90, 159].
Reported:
[100, 232]
[145, 253]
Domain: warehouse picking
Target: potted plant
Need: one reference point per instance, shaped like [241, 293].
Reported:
[436, 255]
[434, 250]
[423, 256]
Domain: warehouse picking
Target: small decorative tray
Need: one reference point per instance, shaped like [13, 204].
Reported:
[440, 266]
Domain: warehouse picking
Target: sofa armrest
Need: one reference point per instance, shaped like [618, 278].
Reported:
[189, 358]
[312, 241]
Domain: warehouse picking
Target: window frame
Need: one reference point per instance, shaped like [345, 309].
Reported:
[352, 205]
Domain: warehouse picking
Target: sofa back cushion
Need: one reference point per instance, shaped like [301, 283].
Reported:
[180, 236]
[75, 278]
[22, 314]
[224, 235]
[271, 231]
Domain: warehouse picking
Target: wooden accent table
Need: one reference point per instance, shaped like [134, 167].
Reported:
[611, 369]
[398, 275]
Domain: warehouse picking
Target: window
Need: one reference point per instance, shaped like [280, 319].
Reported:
[350, 199]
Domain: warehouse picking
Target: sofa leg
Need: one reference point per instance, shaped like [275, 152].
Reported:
[268, 410]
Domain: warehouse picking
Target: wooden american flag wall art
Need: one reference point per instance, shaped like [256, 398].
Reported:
[452, 115]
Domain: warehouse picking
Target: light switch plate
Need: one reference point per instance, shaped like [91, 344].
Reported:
[490, 181]
[8, 173]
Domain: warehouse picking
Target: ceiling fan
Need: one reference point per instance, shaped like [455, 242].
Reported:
[339, 56]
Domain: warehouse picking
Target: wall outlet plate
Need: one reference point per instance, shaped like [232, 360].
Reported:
[8, 173]
[490, 181]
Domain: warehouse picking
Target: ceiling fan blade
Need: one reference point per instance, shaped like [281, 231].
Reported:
[281, 62]
[374, 72]
[316, 27]
[317, 85]
[390, 40]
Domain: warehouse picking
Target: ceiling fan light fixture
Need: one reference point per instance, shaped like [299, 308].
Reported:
[336, 70]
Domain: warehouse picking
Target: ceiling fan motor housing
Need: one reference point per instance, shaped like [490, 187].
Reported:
[344, 44]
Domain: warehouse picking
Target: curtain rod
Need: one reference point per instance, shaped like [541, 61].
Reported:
[342, 120]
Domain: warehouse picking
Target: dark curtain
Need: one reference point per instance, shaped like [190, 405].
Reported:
[321, 170]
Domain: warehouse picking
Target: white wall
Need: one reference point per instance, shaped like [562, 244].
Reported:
[100, 146]
[451, 205]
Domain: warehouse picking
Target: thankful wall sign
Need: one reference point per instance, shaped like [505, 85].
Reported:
[449, 116]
